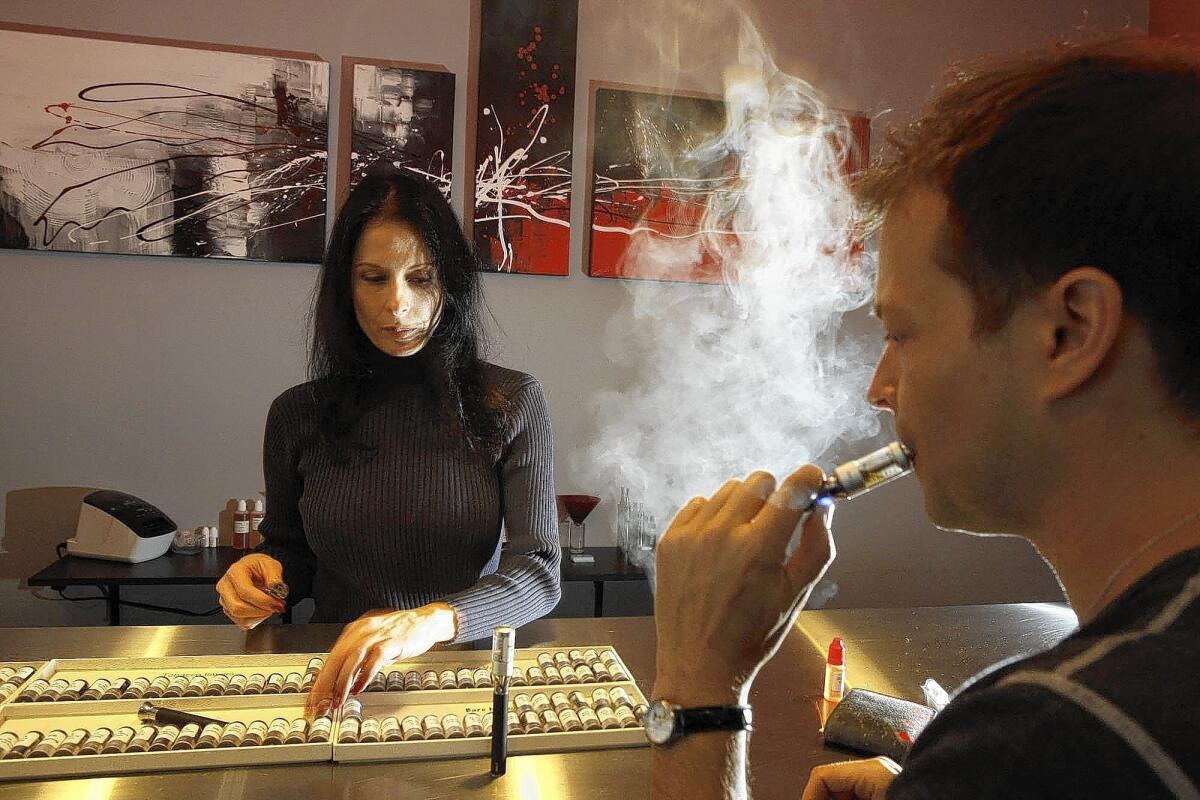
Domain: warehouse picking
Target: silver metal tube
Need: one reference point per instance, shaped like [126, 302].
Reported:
[864, 474]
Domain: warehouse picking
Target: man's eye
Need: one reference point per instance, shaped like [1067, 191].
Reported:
[423, 279]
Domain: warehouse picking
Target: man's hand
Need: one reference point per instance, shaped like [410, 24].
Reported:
[241, 590]
[373, 641]
[852, 780]
[726, 596]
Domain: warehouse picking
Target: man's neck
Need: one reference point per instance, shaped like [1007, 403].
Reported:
[1143, 510]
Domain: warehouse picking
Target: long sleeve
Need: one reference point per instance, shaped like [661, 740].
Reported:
[282, 528]
[526, 583]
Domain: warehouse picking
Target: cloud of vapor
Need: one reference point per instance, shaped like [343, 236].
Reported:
[757, 372]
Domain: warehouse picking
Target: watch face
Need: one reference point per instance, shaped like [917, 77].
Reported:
[659, 722]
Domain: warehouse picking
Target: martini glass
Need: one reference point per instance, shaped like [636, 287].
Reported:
[578, 506]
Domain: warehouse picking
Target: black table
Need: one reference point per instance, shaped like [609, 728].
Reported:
[610, 565]
[207, 567]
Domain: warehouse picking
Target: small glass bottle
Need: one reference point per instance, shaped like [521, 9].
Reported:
[241, 527]
[257, 512]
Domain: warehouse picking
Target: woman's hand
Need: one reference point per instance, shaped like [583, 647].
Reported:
[373, 641]
[241, 589]
[852, 780]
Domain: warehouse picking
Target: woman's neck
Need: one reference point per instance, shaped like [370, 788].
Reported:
[389, 370]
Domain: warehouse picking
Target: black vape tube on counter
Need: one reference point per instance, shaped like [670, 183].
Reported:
[503, 644]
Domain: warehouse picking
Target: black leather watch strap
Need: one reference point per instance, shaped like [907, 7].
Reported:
[713, 718]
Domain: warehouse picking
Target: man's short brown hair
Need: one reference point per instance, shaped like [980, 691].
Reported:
[1088, 156]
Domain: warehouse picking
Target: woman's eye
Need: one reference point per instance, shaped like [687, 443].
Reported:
[424, 279]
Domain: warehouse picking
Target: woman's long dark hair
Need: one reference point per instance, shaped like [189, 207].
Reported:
[341, 353]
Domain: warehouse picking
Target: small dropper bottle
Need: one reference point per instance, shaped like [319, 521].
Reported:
[835, 671]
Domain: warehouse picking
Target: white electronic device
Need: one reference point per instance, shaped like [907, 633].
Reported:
[120, 527]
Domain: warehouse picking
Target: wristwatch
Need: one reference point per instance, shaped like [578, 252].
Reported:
[666, 722]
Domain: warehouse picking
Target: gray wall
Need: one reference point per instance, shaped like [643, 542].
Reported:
[154, 375]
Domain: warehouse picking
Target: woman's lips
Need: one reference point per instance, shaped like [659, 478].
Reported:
[402, 333]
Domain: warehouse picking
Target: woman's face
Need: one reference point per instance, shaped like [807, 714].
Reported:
[397, 292]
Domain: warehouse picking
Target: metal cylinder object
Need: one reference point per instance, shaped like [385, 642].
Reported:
[570, 720]
[186, 740]
[297, 732]
[369, 731]
[256, 733]
[210, 736]
[140, 743]
[98, 687]
[164, 739]
[119, 741]
[231, 734]
[73, 742]
[49, 743]
[431, 724]
[389, 727]
[410, 729]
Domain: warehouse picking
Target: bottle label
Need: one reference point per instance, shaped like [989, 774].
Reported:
[241, 526]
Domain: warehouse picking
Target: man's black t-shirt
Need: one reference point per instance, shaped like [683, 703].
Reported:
[1111, 711]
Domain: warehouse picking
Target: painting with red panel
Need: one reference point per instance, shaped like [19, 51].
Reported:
[657, 168]
[524, 126]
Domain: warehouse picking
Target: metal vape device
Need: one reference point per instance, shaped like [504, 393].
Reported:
[504, 640]
[157, 715]
[863, 474]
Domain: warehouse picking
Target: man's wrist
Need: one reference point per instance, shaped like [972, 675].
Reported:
[697, 691]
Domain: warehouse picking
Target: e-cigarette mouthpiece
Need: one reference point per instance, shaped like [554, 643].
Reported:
[863, 474]
[504, 639]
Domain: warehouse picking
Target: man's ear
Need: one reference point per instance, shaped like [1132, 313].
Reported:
[1085, 309]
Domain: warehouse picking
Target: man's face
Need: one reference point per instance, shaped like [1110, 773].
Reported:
[961, 399]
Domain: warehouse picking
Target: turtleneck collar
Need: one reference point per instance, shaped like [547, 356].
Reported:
[396, 370]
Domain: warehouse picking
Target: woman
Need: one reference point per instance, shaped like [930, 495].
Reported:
[390, 474]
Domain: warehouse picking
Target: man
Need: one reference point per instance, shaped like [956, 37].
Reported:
[1039, 286]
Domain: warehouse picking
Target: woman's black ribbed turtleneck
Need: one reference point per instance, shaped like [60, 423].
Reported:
[421, 520]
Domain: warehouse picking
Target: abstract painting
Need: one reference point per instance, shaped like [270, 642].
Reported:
[141, 147]
[654, 174]
[644, 185]
[396, 116]
[524, 120]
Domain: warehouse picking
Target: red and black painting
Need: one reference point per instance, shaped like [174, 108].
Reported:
[524, 124]
[658, 166]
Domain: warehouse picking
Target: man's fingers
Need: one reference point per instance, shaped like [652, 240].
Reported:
[746, 500]
[777, 521]
[712, 508]
[813, 554]
[687, 513]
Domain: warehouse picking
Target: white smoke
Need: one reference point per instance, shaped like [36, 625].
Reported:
[755, 373]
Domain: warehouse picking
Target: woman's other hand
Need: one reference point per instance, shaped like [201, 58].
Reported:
[242, 590]
[373, 641]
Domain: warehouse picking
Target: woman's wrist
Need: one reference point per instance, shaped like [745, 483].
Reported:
[443, 619]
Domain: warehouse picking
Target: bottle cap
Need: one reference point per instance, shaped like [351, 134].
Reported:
[241, 506]
[258, 506]
[837, 652]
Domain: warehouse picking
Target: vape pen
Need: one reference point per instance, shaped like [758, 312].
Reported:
[864, 474]
[150, 713]
[503, 642]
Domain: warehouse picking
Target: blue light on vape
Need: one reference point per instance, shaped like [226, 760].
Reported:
[825, 502]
